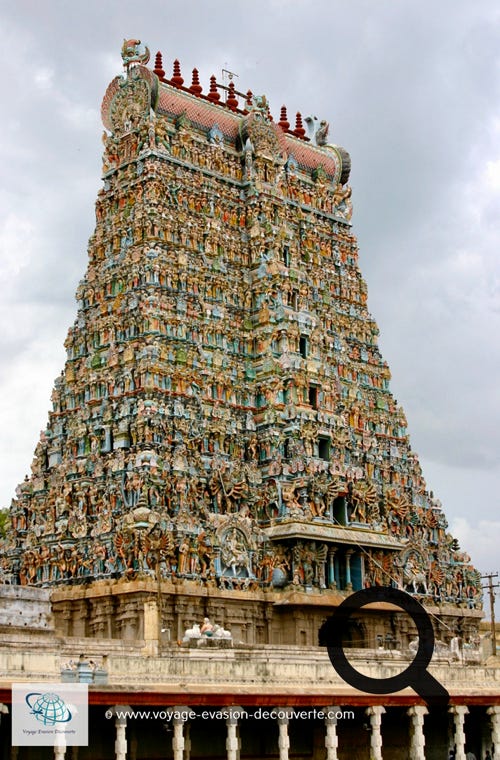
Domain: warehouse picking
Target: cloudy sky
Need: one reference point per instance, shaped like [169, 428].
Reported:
[411, 88]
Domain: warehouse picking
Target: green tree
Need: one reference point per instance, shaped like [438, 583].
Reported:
[4, 522]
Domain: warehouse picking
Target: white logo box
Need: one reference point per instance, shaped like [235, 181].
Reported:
[49, 714]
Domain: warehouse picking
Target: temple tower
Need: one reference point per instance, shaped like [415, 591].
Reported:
[224, 421]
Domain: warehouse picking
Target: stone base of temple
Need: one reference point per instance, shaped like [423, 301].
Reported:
[141, 609]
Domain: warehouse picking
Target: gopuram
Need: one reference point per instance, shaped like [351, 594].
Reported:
[223, 440]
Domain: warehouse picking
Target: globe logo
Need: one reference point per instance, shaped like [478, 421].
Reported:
[48, 708]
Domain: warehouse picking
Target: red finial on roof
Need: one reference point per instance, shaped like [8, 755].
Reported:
[196, 87]
[232, 100]
[299, 130]
[283, 122]
[214, 94]
[158, 69]
[177, 79]
[249, 101]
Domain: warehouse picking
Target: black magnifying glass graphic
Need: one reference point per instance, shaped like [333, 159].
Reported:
[415, 675]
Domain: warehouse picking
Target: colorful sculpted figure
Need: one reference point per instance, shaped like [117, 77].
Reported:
[131, 53]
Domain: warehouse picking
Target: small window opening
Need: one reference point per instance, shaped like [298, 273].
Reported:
[324, 448]
[304, 346]
[313, 396]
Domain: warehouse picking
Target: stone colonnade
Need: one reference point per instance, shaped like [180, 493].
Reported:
[181, 739]
[416, 739]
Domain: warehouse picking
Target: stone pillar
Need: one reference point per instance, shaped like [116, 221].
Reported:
[417, 738]
[494, 713]
[151, 628]
[459, 712]
[180, 611]
[331, 738]
[375, 714]
[232, 740]
[64, 616]
[59, 748]
[178, 722]
[348, 581]
[178, 739]
[187, 743]
[129, 619]
[101, 617]
[121, 727]
[121, 739]
[268, 617]
[133, 744]
[107, 444]
[79, 618]
[283, 738]
[332, 581]
[249, 628]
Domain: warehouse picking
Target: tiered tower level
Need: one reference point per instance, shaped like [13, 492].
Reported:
[224, 415]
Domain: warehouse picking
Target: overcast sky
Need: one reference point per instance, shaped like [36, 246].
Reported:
[411, 89]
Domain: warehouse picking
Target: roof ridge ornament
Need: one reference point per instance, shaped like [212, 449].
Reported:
[177, 79]
[158, 69]
[259, 106]
[132, 54]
